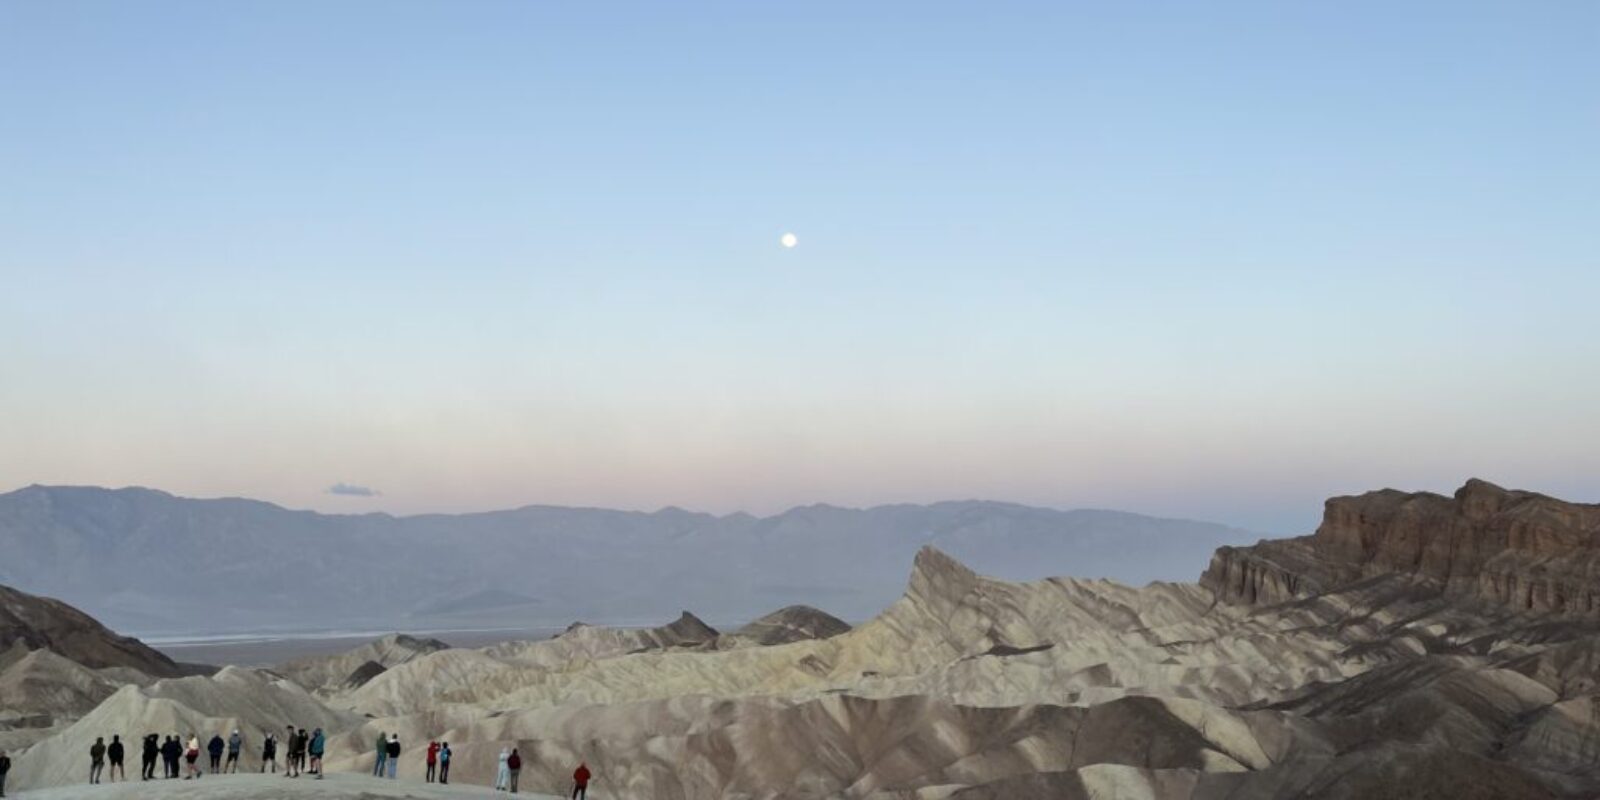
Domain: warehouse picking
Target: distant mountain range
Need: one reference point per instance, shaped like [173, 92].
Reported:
[148, 561]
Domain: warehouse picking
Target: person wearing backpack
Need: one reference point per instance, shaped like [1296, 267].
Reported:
[514, 763]
[444, 763]
[269, 753]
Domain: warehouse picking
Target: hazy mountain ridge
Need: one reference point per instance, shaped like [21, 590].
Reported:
[147, 560]
[1388, 683]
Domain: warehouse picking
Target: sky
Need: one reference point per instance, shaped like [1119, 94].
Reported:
[1209, 260]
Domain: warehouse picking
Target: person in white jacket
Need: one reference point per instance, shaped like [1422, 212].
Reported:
[502, 779]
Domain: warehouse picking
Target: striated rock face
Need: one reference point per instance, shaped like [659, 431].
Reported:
[42, 623]
[326, 673]
[1517, 549]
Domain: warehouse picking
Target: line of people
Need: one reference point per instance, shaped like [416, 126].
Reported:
[180, 757]
[303, 754]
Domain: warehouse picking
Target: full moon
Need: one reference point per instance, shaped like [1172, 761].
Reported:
[789, 240]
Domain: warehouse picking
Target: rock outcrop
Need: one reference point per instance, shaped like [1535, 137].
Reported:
[1518, 549]
[792, 624]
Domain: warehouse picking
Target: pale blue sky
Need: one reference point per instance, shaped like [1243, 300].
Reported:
[1217, 260]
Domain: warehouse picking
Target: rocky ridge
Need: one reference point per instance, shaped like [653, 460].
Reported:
[1370, 659]
[1521, 550]
[43, 623]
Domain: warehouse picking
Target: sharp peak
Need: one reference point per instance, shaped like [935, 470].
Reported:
[931, 562]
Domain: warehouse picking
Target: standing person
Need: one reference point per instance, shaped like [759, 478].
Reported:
[235, 742]
[214, 748]
[502, 776]
[269, 753]
[433, 761]
[299, 756]
[97, 758]
[514, 763]
[382, 748]
[5, 767]
[444, 763]
[192, 755]
[318, 744]
[394, 755]
[147, 758]
[169, 756]
[289, 770]
[114, 754]
[580, 782]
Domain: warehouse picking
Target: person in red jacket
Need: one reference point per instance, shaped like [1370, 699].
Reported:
[580, 782]
[433, 759]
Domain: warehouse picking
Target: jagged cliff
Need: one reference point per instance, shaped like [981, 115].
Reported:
[1518, 549]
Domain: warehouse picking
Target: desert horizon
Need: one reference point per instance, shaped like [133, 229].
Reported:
[1026, 400]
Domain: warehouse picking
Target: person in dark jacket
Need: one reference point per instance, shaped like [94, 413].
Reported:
[171, 751]
[147, 757]
[514, 762]
[5, 767]
[269, 753]
[444, 763]
[115, 754]
[97, 759]
[394, 755]
[301, 743]
[215, 748]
